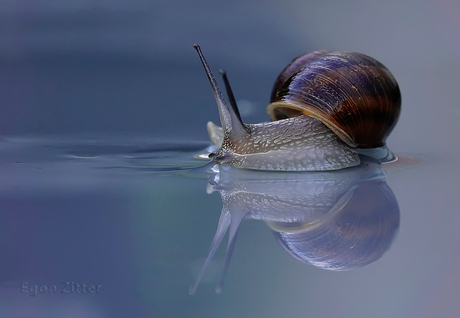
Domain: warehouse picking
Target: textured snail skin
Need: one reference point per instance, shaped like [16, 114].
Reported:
[353, 94]
[292, 145]
[316, 105]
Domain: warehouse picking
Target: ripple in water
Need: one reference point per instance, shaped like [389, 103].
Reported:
[131, 154]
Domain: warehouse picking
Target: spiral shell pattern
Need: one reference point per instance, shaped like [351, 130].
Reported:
[351, 93]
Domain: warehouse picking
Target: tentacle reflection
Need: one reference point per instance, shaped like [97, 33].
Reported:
[340, 220]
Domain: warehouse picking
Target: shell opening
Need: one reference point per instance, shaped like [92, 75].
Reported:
[282, 110]
[284, 113]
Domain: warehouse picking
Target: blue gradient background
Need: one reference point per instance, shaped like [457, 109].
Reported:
[123, 70]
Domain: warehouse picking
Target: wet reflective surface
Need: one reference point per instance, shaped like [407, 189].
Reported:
[137, 218]
[105, 210]
[339, 220]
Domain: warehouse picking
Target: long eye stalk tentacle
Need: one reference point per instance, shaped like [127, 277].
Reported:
[231, 97]
[230, 119]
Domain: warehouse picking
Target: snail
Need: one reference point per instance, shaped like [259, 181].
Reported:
[334, 220]
[327, 108]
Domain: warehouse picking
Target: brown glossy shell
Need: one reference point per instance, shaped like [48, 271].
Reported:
[353, 94]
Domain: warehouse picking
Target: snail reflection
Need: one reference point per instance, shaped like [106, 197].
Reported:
[340, 220]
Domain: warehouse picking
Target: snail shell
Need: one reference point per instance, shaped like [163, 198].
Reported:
[324, 105]
[353, 94]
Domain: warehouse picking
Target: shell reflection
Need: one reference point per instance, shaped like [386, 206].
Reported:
[339, 220]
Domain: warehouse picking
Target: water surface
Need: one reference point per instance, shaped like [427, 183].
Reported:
[135, 218]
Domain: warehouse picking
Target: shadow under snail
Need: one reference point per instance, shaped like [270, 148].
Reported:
[327, 108]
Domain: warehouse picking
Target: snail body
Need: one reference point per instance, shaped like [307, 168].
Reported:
[326, 106]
